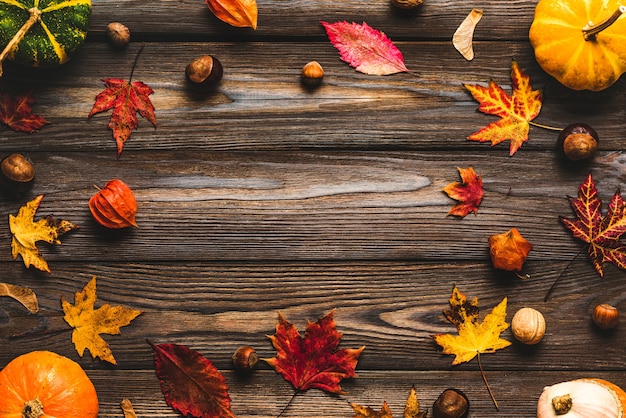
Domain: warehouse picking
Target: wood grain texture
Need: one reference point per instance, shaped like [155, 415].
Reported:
[264, 196]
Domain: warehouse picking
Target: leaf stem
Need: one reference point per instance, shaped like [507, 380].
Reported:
[135, 62]
[545, 299]
[288, 403]
[482, 373]
[539, 125]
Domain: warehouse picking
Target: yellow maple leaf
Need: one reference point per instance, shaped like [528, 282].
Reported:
[474, 337]
[88, 323]
[26, 232]
[411, 409]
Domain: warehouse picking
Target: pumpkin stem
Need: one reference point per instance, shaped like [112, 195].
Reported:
[590, 30]
[35, 15]
[32, 409]
[562, 404]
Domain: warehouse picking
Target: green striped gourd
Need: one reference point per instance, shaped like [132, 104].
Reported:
[42, 33]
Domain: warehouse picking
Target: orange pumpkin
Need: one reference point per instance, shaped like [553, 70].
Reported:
[114, 206]
[42, 384]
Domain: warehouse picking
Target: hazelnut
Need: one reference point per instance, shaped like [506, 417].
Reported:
[406, 4]
[578, 142]
[17, 172]
[204, 72]
[118, 34]
[452, 403]
[245, 358]
[605, 316]
[528, 326]
[312, 74]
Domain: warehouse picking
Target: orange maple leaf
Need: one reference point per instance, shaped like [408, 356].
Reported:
[16, 112]
[469, 192]
[474, 338]
[602, 234]
[312, 361]
[239, 13]
[126, 99]
[26, 232]
[89, 323]
[411, 409]
[515, 112]
[509, 250]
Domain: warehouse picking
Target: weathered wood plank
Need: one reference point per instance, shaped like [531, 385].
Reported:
[264, 106]
[392, 308]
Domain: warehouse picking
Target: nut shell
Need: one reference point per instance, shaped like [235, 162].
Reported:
[205, 71]
[118, 34]
[605, 316]
[17, 168]
[578, 142]
[245, 358]
[452, 403]
[406, 4]
[528, 326]
[312, 73]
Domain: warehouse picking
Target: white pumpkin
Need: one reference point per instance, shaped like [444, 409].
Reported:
[582, 398]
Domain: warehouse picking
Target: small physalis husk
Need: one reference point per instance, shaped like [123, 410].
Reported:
[463, 37]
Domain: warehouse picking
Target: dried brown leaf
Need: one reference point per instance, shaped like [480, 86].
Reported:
[127, 408]
[464, 35]
[23, 295]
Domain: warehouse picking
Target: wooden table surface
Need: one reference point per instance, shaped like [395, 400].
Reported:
[265, 197]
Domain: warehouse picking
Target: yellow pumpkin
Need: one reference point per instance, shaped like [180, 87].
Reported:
[581, 43]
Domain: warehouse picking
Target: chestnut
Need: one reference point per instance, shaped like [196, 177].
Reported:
[578, 142]
[17, 173]
[452, 403]
[204, 72]
[605, 316]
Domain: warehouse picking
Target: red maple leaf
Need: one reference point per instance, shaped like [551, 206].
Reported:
[313, 361]
[126, 99]
[469, 192]
[190, 383]
[515, 112]
[16, 112]
[602, 234]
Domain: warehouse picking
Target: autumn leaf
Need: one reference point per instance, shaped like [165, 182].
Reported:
[313, 361]
[469, 192]
[127, 408]
[464, 34]
[601, 233]
[190, 383]
[126, 99]
[411, 409]
[509, 250]
[240, 13]
[89, 323]
[23, 295]
[515, 112]
[474, 338]
[16, 112]
[366, 49]
[26, 232]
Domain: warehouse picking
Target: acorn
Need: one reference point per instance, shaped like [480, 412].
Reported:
[312, 74]
[204, 72]
[452, 403]
[245, 358]
[578, 142]
[17, 173]
[118, 34]
[605, 316]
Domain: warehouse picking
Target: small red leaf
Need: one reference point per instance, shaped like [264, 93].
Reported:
[190, 383]
[364, 48]
[16, 112]
[313, 361]
[469, 192]
[126, 99]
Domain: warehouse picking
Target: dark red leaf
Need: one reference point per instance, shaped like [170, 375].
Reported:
[313, 361]
[190, 383]
[16, 112]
